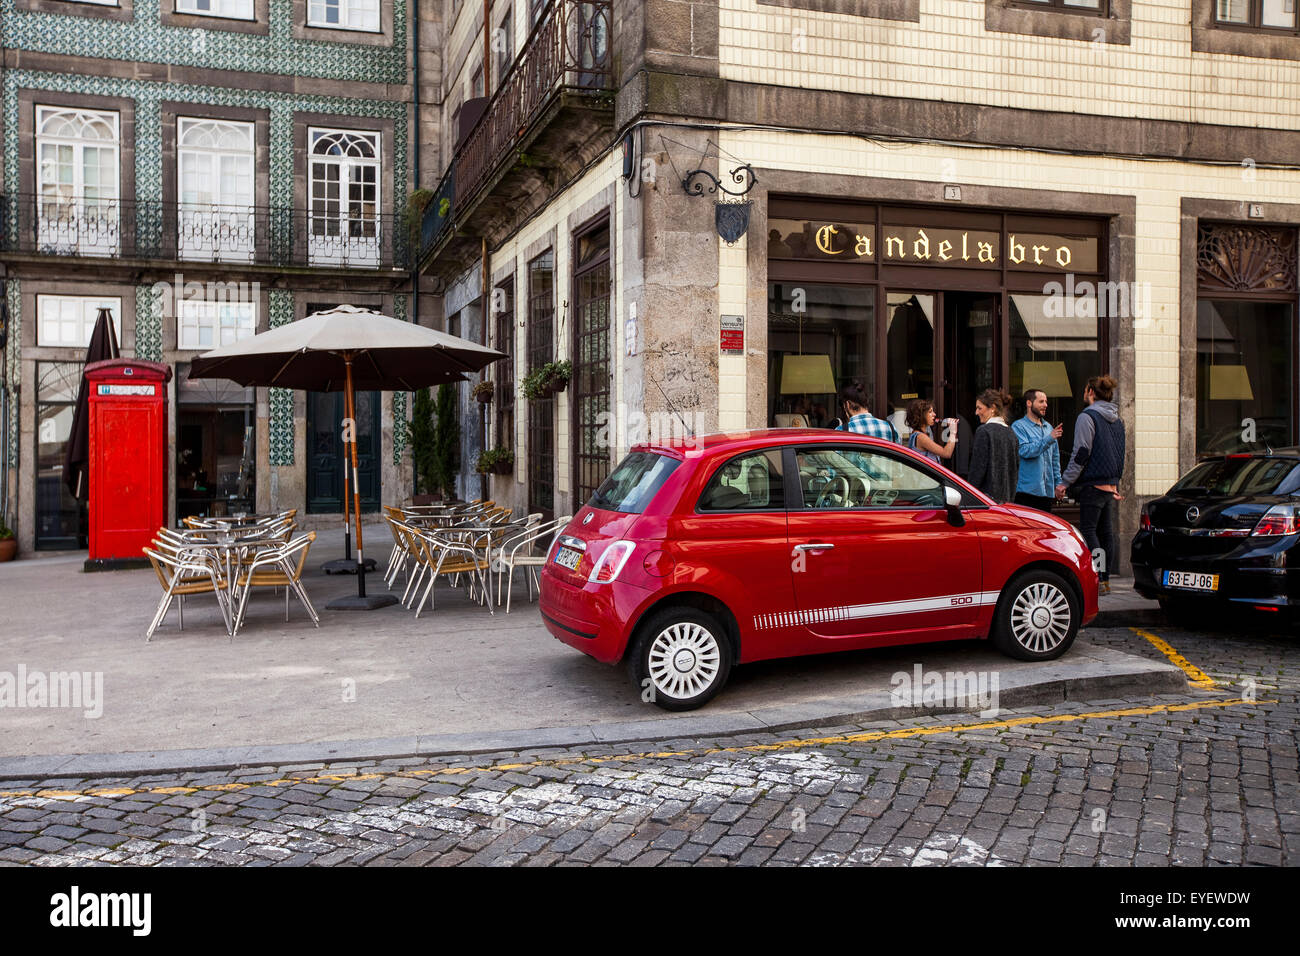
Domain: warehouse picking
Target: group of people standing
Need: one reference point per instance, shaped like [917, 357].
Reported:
[1021, 461]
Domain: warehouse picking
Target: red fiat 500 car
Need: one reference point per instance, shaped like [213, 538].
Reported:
[700, 554]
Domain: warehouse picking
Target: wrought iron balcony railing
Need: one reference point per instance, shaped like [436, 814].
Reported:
[568, 50]
[330, 235]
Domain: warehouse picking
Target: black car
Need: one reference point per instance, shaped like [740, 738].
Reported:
[1225, 535]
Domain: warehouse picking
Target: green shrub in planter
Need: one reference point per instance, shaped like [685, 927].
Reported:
[499, 461]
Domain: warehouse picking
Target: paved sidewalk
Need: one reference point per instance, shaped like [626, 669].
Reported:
[382, 683]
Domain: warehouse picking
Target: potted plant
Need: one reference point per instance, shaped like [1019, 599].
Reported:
[497, 461]
[419, 435]
[9, 544]
[483, 391]
[545, 381]
[559, 375]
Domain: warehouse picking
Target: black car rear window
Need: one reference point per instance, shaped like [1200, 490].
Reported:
[631, 486]
[1240, 476]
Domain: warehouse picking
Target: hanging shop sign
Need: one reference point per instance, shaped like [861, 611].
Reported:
[823, 241]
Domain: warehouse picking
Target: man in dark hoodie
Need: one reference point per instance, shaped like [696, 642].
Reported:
[1096, 467]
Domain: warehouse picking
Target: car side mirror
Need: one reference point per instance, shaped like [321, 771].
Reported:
[952, 501]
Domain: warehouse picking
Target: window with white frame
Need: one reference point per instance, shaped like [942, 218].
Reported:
[344, 14]
[344, 190]
[215, 175]
[102, 3]
[67, 321]
[205, 324]
[77, 179]
[230, 9]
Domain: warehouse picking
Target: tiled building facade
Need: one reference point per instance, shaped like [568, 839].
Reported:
[1124, 172]
[206, 169]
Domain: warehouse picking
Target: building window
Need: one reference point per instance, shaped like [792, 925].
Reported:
[102, 3]
[230, 9]
[503, 45]
[344, 14]
[215, 171]
[203, 324]
[592, 348]
[1245, 338]
[505, 369]
[60, 519]
[476, 83]
[77, 181]
[1070, 6]
[67, 321]
[1259, 14]
[541, 413]
[344, 188]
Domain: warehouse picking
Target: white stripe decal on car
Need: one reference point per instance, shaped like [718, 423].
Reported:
[846, 612]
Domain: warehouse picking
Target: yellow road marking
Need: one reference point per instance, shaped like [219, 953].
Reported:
[863, 737]
[1194, 673]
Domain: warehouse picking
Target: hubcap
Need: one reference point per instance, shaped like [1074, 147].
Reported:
[1040, 617]
[684, 660]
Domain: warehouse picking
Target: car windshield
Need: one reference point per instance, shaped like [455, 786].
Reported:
[632, 485]
[1239, 476]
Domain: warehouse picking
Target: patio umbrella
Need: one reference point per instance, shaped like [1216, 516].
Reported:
[345, 349]
[76, 456]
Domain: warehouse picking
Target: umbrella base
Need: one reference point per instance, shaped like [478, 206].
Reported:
[355, 602]
[346, 566]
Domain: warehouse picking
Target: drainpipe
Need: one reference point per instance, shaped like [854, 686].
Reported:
[485, 308]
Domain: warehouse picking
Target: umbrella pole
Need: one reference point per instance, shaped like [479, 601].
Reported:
[345, 564]
[362, 602]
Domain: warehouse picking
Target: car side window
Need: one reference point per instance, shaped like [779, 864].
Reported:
[749, 482]
[843, 478]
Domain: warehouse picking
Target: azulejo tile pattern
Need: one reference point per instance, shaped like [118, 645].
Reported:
[12, 366]
[400, 311]
[148, 97]
[281, 399]
[148, 323]
[147, 40]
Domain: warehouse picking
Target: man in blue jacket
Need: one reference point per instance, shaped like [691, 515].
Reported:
[1040, 459]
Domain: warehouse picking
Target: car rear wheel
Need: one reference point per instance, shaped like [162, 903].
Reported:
[1037, 617]
[681, 659]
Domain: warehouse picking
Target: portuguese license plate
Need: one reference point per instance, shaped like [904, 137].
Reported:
[1192, 580]
[568, 558]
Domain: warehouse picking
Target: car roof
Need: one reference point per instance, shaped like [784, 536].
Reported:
[721, 443]
[1290, 451]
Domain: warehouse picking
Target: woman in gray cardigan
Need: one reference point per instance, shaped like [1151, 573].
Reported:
[995, 452]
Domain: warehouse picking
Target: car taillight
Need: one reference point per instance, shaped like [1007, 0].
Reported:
[611, 562]
[1280, 519]
[1146, 519]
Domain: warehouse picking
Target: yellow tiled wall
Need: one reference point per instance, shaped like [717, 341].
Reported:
[950, 55]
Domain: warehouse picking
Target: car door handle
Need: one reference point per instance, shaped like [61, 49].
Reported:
[813, 547]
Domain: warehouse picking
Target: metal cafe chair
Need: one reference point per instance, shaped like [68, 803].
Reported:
[279, 567]
[448, 555]
[509, 556]
[183, 573]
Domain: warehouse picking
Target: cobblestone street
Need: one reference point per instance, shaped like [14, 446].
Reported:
[1209, 777]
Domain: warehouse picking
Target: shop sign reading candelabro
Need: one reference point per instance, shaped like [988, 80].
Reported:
[823, 241]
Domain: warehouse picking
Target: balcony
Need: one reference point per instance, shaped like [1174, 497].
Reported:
[330, 236]
[552, 114]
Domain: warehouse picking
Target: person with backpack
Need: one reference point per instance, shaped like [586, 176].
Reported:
[1095, 470]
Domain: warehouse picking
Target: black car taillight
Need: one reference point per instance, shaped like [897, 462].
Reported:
[1278, 520]
[1146, 519]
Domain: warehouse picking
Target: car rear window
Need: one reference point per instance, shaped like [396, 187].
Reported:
[631, 486]
[1240, 476]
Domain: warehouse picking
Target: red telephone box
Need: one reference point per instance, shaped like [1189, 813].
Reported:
[128, 459]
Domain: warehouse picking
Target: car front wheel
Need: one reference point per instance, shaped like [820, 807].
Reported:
[681, 659]
[1037, 618]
